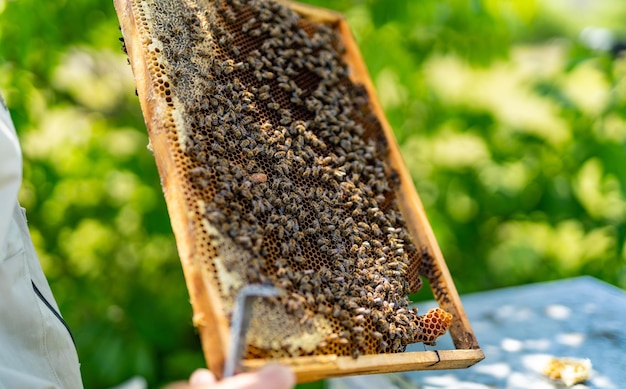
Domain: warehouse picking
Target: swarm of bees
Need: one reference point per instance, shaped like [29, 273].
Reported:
[287, 165]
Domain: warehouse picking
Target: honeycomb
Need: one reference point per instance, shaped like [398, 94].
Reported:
[570, 371]
[284, 169]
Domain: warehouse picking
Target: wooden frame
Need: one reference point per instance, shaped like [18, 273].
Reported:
[213, 328]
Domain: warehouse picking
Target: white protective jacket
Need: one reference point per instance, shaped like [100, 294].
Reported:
[36, 347]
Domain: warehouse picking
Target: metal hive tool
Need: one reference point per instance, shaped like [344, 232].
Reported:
[279, 168]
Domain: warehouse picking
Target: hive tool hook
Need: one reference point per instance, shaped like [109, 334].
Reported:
[241, 320]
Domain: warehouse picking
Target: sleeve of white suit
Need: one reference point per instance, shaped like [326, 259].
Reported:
[10, 171]
[36, 347]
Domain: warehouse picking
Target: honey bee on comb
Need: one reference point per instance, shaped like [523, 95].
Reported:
[277, 171]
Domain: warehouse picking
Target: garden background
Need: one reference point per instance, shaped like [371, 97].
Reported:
[511, 116]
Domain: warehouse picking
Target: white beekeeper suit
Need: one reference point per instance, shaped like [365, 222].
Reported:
[36, 347]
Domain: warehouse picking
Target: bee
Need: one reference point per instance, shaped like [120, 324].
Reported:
[359, 340]
[247, 25]
[244, 241]
[258, 178]
[285, 283]
[223, 40]
[281, 272]
[293, 305]
[230, 15]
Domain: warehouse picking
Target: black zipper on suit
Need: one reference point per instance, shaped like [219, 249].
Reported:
[51, 308]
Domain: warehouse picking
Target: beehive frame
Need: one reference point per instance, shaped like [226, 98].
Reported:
[214, 327]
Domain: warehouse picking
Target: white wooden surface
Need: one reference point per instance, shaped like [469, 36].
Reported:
[519, 329]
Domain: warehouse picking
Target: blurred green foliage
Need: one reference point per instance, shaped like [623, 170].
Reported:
[513, 130]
